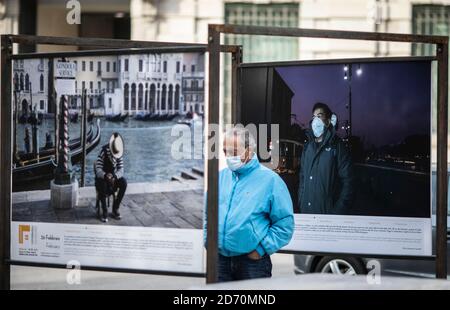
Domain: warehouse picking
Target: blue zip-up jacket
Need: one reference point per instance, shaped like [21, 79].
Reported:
[255, 211]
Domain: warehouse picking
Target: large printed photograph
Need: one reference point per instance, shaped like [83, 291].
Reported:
[355, 138]
[97, 144]
[353, 146]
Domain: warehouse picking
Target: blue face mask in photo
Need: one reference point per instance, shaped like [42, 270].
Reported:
[317, 127]
[234, 162]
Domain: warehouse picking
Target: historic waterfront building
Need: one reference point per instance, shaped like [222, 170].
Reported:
[140, 83]
[30, 85]
[99, 76]
[133, 84]
[193, 87]
[149, 83]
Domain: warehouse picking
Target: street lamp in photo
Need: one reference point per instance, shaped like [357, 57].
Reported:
[348, 71]
[359, 70]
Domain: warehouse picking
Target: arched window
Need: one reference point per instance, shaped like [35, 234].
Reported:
[170, 104]
[41, 83]
[133, 96]
[158, 101]
[163, 97]
[153, 60]
[177, 98]
[24, 106]
[152, 98]
[21, 81]
[16, 82]
[146, 97]
[27, 82]
[140, 96]
[126, 96]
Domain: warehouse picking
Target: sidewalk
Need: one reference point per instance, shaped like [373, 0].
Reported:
[26, 278]
[169, 204]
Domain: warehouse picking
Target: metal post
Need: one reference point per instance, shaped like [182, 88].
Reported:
[16, 120]
[34, 129]
[83, 137]
[5, 159]
[35, 139]
[213, 161]
[236, 60]
[441, 189]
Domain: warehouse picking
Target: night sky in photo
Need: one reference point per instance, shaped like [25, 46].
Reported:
[390, 100]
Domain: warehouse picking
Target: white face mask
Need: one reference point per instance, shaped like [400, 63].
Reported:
[234, 162]
[318, 127]
[333, 120]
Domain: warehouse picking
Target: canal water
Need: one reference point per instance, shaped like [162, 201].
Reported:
[147, 155]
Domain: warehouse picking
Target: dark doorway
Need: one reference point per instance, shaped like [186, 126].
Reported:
[105, 25]
[24, 107]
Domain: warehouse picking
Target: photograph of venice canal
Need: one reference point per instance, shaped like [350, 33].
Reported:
[141, 97]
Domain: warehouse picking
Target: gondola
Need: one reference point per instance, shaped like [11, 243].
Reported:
[113, 118]
[148, 116]
[153, 117]
[36, 174]
[44, 152]
[23, 119]
[33, 119]
[73, 117]
[123, 117]
[190, 119]
[142, 116]
[171, 116]
[90, 117]
[162, 117]
[116, 118]
[139, 117]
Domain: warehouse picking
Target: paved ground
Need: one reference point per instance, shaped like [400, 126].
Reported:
[172, 207]
[32, 278]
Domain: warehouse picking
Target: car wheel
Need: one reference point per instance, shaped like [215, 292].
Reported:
[339, 265]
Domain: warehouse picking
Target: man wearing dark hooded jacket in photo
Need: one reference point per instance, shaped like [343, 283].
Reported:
[326, 168]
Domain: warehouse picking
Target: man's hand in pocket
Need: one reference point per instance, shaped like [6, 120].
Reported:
[254, 255]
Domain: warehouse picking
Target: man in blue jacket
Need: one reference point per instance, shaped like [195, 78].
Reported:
[255, 211]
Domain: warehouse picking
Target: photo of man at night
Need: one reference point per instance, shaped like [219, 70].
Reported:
[325, 185]
[353, 139]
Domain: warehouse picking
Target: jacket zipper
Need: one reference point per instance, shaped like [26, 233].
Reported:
[228, 210]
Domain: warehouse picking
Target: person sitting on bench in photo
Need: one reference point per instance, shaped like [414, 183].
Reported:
[109, 175]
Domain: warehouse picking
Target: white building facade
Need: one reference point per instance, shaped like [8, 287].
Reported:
[138, 83]
[187, 20]
[193, 85]
[30, 85]
[98, 76]
[150, 83]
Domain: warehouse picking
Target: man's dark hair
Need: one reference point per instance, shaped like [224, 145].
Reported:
[326, 109]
